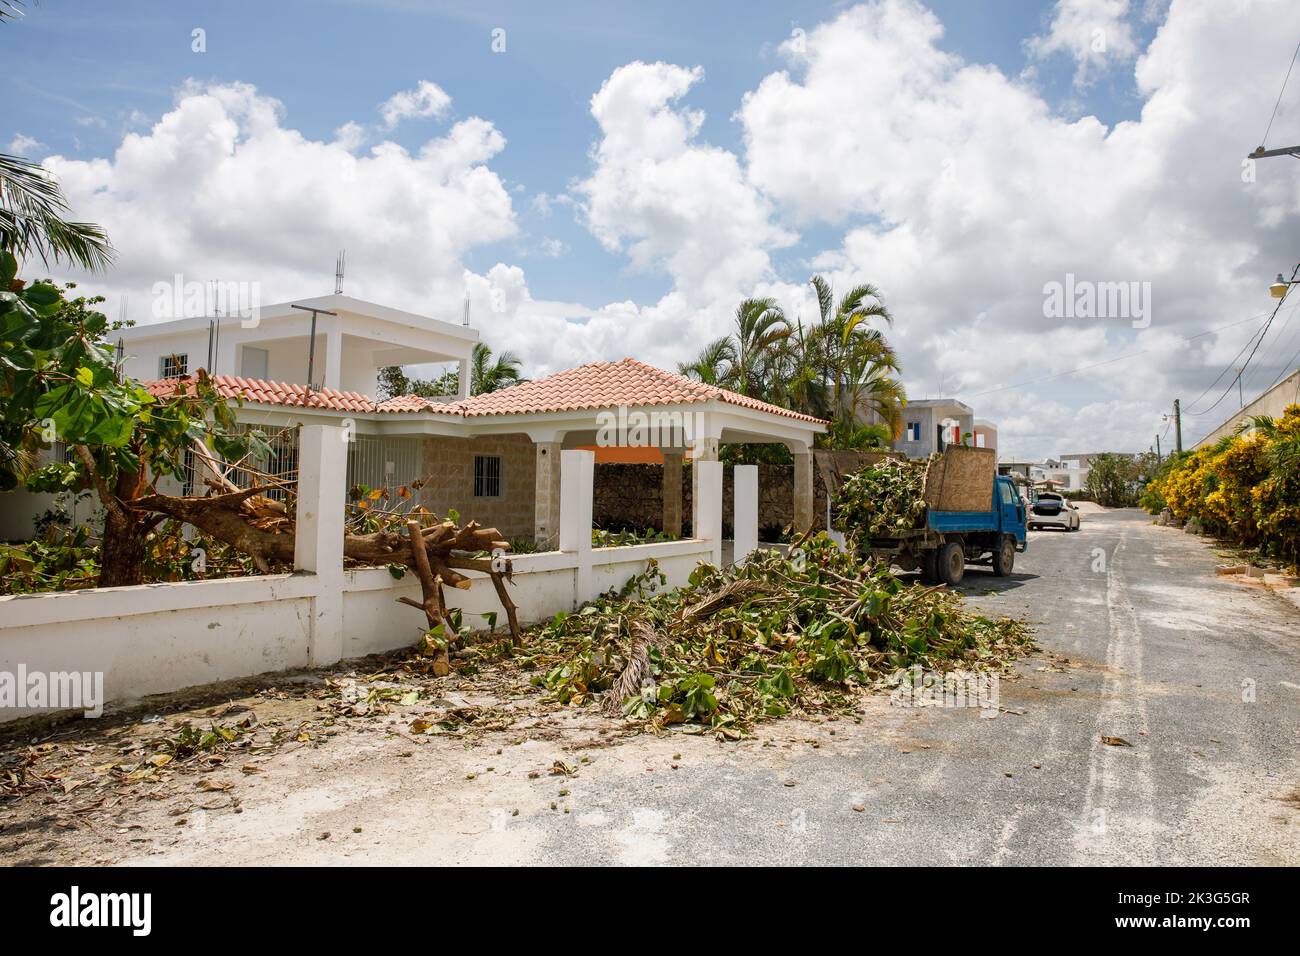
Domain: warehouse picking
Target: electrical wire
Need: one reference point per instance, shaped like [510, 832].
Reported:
[1279, 96]
[1249, 382]
[1121, 358]
[1264, 332]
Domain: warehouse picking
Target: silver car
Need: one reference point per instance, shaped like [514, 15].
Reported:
[1051, 510]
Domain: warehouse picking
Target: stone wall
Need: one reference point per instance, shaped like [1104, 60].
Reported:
[631, 496]
[448, 466]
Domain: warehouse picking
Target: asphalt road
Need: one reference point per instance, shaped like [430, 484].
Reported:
[1200, 675]
[1140, 639]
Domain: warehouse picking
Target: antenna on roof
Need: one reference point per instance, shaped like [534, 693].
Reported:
[465, 318]
[339, 264]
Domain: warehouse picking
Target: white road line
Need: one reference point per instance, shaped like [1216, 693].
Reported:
[1118, 819]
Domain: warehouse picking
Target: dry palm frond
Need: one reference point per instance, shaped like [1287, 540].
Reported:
[728, 594]
[634, 675]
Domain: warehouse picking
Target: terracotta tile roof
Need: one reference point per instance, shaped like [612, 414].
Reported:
[608, 385]
[280, 393]
[591, 386]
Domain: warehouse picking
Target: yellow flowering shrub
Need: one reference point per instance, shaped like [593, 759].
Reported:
[1246, 488]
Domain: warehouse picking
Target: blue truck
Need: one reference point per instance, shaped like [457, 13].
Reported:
[958, 527]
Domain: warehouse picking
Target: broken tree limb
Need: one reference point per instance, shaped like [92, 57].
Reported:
[247, 520]
[433, 606]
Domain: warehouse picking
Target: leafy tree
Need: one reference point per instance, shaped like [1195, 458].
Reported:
[61, 386]
[1117, 481]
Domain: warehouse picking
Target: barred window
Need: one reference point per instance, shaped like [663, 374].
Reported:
[487, 476]
[189, 475]
[173, 366]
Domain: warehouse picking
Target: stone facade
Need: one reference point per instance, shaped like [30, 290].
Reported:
[631, 496]
[448, 466]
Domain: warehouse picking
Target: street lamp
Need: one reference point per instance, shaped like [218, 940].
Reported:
[1279, 287]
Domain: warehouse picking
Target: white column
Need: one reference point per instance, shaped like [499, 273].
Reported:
[708, 505]
[333, 354]
[744, 522]
[318, 533]
[546, 492]
[577, 488]
[462, 380]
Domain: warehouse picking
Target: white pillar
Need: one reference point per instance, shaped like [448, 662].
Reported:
[708, 505]
[318, 533]
[462, 380]
[744, 522]
[333, 354]
[577, 489]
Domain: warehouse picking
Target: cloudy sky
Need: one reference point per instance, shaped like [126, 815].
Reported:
[609, 179]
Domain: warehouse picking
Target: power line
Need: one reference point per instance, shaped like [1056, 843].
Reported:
[1264, 332]
[1263, 141]
[1084, 368]
[1277, 341]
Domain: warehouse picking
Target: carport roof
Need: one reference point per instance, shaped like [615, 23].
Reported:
[596, 385]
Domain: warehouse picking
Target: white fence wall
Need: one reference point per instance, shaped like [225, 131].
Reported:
[159, 638]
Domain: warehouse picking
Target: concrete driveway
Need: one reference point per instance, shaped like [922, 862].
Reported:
[1141, 641]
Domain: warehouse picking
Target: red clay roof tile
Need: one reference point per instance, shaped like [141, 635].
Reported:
[592, 386]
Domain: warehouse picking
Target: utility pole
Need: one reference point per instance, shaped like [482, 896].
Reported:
[1159, 457]
[1241, 402]
[1178, 426]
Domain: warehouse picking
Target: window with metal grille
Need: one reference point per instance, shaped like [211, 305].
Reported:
[487, 476]
[188, 474]
[173, 366]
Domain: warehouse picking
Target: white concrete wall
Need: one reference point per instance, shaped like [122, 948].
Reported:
[165, 637]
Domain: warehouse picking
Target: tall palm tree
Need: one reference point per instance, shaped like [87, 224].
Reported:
[760, 327]
[32, 210]
[744, 360]
[487, 374]
[856, 365]
[714, 364]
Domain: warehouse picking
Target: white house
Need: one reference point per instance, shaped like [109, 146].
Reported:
[494, 457]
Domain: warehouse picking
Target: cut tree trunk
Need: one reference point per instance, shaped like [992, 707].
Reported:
[122, 556]
[262, 529]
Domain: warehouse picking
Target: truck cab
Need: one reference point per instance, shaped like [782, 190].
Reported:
[957, 538]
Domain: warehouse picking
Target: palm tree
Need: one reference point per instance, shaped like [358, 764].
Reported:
[851, 365]
[760, 327]
[744, 360]
[32, 220]
[488, 375]
[714, 364]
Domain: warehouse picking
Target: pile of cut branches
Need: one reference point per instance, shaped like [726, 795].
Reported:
[773, 638]
[882, 499]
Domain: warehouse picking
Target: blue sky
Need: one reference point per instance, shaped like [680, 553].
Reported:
[333, 61]
[959, 154]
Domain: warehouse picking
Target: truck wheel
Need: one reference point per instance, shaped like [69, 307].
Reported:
[1004, 558]
[929, 567]
[951, 564]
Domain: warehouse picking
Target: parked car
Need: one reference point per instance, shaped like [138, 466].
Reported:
[1051, 510]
